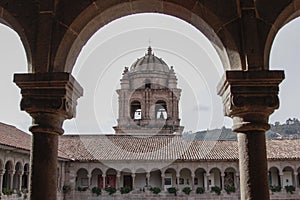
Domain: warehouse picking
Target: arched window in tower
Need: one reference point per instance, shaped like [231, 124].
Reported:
[161, 110]
[135, 110]
[147, 84]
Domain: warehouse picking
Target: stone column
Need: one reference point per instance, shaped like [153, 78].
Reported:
[162, 182]
[222, 181]
[11, 179]
[49, 98]
[237, 181]
[20, 173]
[281, 180]
[249, 97]
[118, 185]
[133, 181]
[148, 179]
[103, 180]
[177, 178]
[206, 181]
[193, 182]
[295, 178]
[1, 179]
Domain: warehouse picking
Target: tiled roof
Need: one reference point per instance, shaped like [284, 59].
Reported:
[13, 137]
[163, 147]
[10, 136]
[158, 147]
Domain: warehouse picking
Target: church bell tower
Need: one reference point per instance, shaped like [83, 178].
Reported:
[148, 98]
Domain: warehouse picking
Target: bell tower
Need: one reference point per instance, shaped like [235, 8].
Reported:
[148, 98]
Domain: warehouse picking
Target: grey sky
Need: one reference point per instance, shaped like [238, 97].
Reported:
[120, 43]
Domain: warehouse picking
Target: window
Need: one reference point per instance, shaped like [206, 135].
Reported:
[135, 110]
[161, 110]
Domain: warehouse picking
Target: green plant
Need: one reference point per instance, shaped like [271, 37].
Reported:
[229, 189]
[216, 190]
[125, 190]
[155, 190]
[7, 192]
[172, 190]
[187, 190]
[290, 189]
[66, 189]
[82, 189]
[275, 188]
[200, 190]
[110, 190]
[96, 190]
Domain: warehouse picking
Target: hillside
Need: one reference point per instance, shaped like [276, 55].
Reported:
[289, 130]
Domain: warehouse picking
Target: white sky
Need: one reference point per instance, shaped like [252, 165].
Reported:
[118, 44]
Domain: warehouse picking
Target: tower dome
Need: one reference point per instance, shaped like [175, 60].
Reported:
[149, 63]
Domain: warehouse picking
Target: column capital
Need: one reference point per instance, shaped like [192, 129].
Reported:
[249, 97]
[49, 98]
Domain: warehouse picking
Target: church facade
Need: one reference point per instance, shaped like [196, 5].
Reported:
[147, 151]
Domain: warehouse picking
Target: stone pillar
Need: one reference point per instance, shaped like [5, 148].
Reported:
[103, 180]
[11, 179]
[222, 181]
[49, 98]
[133, 181]
[118, 185]
[148, 179]
[20, 173]
[193, 182]
[237, 181]
[177, 178]
[249, 97]
[206, 181]
[1, 179]
[281, 179]
[162, 182]
[295, 178]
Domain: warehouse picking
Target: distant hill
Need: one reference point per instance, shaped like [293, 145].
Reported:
[289, 130]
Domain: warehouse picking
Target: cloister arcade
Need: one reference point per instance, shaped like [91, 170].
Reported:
[54, 32]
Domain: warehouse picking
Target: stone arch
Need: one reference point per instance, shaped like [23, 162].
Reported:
[161, 109]
[82, 179]
[288, 176]
[274, 176]
[97, 178]
[185, 177]
[200, 177]
[215, 177]
[291, 12]
[25, 176]
[7, 19]
[7, 177]
[170, 177]
[97, 15]
[135, 109]
[17, 176]
[229, 177]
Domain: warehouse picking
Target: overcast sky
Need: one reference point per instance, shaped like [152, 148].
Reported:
[101, 62]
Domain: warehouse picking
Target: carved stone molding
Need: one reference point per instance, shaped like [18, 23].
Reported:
[49, 98]
[249, 97]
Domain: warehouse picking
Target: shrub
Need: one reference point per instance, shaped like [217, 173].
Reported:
[229, 189]
[125, 190]
[155, 190]
[110, 190]
[275, 188]
[187, 190]
[7, 192]
[96, 190]
[290, 189]
[216, 190]
[172, 190]
[66, 189]
[200, 190]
